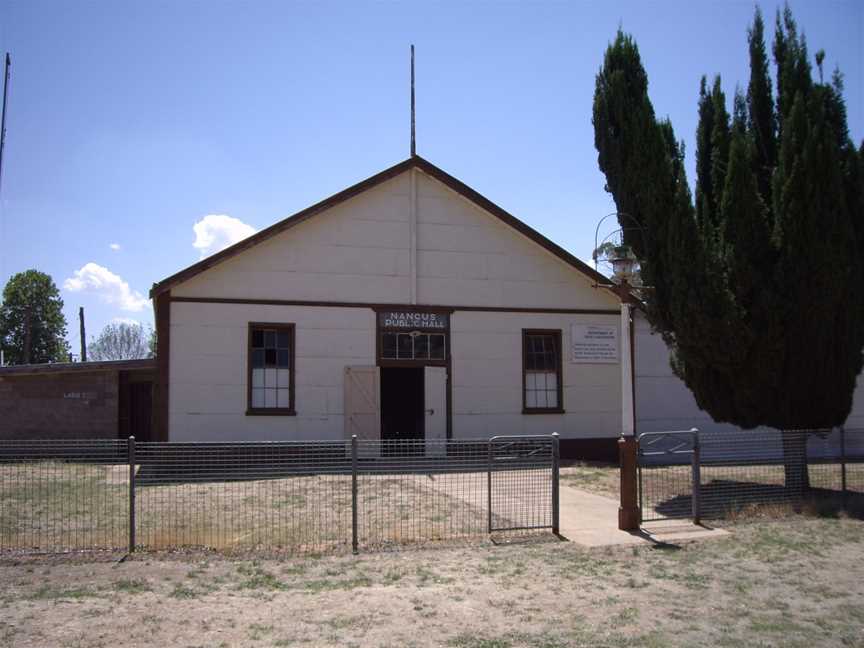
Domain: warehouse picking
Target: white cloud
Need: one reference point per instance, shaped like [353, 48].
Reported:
[111, 288]
[114, 246]
[215, 232]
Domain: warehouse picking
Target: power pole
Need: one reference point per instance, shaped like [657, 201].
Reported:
[28, 316]
[3, 116]
[83, 339]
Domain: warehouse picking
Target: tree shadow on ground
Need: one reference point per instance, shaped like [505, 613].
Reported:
[733, 499]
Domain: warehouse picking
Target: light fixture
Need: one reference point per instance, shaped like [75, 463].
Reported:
[623, 263]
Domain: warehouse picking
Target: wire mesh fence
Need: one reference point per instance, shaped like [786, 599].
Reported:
[740, 470]
[57, 496]
[317, 496]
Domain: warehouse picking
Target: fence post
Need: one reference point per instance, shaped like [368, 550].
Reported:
[843, 462]
[131, 457]
[489, 490]
[556, 461]
[696, 497]
[354, 493]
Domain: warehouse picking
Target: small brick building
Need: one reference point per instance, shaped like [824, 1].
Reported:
[82, 400]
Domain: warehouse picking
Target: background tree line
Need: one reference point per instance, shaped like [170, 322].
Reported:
[33, 328]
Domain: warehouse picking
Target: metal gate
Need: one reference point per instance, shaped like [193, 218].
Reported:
[522, 483]
[669, 475]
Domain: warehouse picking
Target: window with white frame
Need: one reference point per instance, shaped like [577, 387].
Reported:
[541, 371]
[271, 369]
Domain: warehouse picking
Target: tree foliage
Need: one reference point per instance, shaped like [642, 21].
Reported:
[758, 282]
[122, 341]
[32, 324]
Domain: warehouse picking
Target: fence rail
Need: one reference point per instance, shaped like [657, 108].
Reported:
[294, 496]
[711, 475]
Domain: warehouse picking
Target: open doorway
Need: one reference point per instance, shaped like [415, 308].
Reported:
[402, 398]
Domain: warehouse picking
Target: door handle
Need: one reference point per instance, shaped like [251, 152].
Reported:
[430, 411]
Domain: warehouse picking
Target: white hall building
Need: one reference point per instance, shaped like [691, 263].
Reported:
[407, 306]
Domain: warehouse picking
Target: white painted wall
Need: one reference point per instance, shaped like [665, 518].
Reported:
[359, 251]
[466, 256]
[209, 368]
[209, 371]
[487, 379]
[663, 402]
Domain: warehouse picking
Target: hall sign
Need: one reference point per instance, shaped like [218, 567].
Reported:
[593, 343]
[413, 320]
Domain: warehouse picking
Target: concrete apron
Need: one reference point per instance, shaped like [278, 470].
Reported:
[592, 521]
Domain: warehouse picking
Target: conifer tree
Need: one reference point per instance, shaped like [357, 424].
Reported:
[758, 287]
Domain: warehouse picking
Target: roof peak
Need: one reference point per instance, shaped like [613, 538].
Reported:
[414, 161]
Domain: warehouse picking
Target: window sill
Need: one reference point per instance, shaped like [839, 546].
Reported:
[270, 411]
[525, 410]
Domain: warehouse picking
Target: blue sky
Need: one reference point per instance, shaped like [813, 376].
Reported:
[131, 122]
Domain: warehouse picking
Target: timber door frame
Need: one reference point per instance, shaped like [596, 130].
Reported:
[448, 344]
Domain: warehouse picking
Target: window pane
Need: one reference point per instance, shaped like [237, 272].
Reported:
[388, 345]
[269, 398]
[257, 338]
[270, 339]
[257, 378]
[283, 358]
[270, 357]
[283, 378]
[552, 399]
[257, 398]
[258, 358]
[270, 378]
[406, 346]
[282, 398]
[436, 347]
[421, 347]
[283, 340]
[531, 399]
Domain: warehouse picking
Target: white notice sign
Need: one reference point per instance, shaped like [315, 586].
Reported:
[593, 343]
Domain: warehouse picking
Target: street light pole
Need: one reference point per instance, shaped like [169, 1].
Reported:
[627, 406]
[624, 264]
[629, 513]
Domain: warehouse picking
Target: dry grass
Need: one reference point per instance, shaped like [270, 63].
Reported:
[792, 583]
[58, 507]
[736, 491]
[596, 477]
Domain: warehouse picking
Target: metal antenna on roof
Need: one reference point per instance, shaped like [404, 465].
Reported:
[413, 135]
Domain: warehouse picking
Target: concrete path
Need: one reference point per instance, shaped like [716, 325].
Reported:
[592, 520]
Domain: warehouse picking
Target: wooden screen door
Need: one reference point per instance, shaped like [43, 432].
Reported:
[435, 388]
[363, 403]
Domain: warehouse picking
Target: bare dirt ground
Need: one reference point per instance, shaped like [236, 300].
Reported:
[793, 582]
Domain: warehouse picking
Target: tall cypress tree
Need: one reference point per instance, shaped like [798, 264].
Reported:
[762, 123]
[759, 286]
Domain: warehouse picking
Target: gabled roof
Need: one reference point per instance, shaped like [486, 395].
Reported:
[413, 162]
